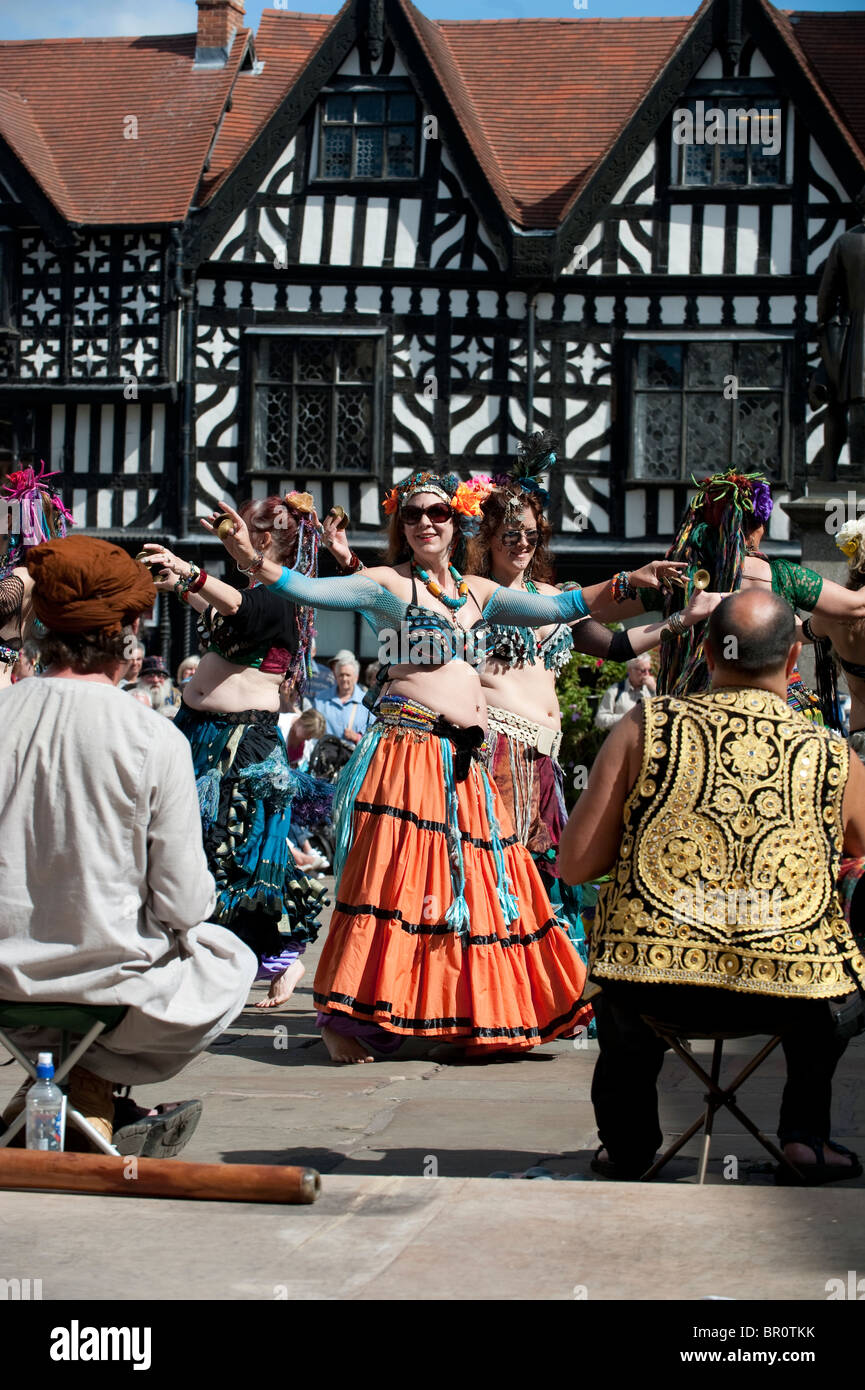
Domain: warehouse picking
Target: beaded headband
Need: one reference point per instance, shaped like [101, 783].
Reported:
[458, 495]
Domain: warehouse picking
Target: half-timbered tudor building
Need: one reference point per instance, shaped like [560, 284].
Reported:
[339, 248]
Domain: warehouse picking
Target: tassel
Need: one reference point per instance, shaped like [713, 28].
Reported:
[827, 684]
[348, 784]
[508, 903]
[457, 915]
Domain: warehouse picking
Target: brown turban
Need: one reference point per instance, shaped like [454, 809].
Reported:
[86, 585]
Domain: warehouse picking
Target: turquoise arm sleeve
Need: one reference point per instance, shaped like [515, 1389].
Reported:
[519, 608]
[352, 593]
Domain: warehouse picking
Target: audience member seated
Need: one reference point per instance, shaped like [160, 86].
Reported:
[121, 919]
[156, 681]
[721, 819]
[27, 663]
[187, 669]
[619, 699]
[346, 716]
[133, 668]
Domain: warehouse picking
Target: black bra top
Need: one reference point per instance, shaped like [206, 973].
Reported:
[853, 668]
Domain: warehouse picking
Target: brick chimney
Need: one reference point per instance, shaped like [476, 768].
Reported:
[218, 21]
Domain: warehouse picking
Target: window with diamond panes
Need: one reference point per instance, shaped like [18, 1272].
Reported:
[684, 422]
[369, 135]
[744, 146]
[316, 405]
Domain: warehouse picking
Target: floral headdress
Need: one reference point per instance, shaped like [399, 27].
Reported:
[850, 540]
[461, 496]
[42, 515]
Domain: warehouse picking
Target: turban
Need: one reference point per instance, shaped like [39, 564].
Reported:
[86, 585]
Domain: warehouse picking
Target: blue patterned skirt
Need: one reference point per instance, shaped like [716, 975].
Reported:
[246, 792]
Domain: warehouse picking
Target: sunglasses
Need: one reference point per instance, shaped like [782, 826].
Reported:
[511, 539]
[438, 513]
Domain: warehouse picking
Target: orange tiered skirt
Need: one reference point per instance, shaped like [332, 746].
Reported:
[391, 958]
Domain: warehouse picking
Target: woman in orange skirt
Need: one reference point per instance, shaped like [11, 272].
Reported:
[442, 927]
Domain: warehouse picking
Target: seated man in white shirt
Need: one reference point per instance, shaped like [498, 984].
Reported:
[621, 698]
[106, 890]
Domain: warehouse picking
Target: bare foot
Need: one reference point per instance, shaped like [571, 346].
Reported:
[283, 986]
[343, 1049]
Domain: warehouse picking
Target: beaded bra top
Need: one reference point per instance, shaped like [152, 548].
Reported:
[519, 646]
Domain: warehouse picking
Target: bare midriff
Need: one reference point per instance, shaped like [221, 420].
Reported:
[454, 691]
[223, 687]
[529, 691]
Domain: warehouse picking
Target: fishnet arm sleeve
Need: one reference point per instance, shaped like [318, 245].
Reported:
[591, 638]
[343, 594]
[11, 598]
[519, 608]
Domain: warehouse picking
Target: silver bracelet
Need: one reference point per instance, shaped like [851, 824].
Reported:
[256, 564]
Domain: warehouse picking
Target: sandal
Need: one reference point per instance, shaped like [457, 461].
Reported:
[158, 1133]
[819, 1173]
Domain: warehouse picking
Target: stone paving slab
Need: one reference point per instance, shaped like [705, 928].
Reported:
[403, 1238]
[384, 1227]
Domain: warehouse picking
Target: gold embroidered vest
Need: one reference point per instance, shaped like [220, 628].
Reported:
[730, 852]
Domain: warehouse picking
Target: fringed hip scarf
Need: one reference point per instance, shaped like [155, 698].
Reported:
[532, 736]
[460, 747]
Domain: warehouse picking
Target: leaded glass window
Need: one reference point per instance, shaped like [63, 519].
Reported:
[728, 141]
[317, 404]
[700, 407]
[369, 135]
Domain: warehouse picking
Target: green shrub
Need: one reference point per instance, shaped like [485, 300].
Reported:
[583, 677]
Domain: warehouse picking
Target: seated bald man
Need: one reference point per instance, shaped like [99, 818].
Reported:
[721, 819]
[106, 890]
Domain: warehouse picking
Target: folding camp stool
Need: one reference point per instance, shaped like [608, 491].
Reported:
[85, 1021]
[717, 1097]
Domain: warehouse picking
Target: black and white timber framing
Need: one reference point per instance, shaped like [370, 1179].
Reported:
[129, 356]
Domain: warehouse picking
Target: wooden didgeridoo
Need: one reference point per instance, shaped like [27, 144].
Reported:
[156, 1177]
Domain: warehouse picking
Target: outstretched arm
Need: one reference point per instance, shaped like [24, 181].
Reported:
[357, 591]
[837, 602]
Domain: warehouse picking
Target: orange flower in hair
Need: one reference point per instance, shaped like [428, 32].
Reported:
[466, 501]
[391, 502]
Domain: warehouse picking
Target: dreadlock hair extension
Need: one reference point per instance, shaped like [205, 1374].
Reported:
[712, 536]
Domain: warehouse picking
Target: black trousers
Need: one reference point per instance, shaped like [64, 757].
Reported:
[624, 1089]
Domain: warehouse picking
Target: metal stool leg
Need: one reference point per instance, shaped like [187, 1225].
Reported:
[711, 1106]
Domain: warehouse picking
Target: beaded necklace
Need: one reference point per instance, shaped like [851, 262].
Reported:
[436, 589]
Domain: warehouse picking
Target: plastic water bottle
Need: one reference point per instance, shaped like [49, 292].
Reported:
[46, 1108]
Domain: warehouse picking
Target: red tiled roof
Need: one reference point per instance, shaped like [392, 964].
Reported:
[66, 122]
[284, 42]
[19, 129]
[541, 100]
[832, 46]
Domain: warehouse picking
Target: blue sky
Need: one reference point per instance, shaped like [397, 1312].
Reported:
[83, 18]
